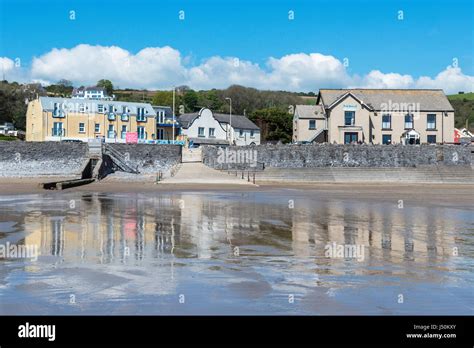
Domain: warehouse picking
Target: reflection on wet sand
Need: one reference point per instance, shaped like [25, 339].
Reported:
[258, 236]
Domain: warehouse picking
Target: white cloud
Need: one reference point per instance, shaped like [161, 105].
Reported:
[152, 67]
[163, 67]
[377, 79]
[452, 80]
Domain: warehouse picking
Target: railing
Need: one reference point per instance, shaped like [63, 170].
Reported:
[120, 162]
[250, 175]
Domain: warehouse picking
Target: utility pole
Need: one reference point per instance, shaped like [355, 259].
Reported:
[174, 98]
[230, 119]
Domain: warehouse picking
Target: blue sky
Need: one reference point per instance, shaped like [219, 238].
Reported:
[367, 33]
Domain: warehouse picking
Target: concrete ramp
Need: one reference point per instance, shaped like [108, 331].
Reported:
[198, 173]
[191, 155]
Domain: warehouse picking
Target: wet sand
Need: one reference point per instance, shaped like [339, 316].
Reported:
[137, 251]
[451, 194]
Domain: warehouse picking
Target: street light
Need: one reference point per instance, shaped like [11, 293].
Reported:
[230, 118]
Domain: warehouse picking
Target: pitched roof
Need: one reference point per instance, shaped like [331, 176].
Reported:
[309, 111]
[378, 99]
[186, 119]
[238, 121]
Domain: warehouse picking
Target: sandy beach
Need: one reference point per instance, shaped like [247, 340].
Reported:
[451, 194]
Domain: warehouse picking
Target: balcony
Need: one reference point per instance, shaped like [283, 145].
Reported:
[124, 117]
[111, 116]
[59, 113]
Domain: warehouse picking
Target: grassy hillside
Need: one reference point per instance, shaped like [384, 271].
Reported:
[463, 105]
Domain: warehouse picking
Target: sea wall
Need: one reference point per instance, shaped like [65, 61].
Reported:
[331, 155]
[148, 158]
[19, 158]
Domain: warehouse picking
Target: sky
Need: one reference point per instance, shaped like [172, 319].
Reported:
[294, 45]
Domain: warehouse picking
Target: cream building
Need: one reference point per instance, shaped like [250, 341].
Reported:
[309, 123]
[56, 119]
[380, 116]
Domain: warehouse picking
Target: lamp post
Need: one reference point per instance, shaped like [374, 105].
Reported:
[230, 119]
[174, 117]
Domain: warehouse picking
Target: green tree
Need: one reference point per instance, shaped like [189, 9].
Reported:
[274, 123]
[190, 100]
[107, 84]
[163, 98]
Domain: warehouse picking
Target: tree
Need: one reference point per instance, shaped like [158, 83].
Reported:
[274, 123]
[107, 85]
[190, 100]
[163, 98]
[64, 82]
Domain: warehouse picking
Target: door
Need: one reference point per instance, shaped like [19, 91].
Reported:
[350, 137]
[124, 132]
[57, 129]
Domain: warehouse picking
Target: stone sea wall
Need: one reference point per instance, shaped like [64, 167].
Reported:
[331, 155]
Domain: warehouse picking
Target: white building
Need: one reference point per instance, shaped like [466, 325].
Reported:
[208, 128]
[94, 93]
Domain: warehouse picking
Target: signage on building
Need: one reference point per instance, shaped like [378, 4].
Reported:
[349, 107]
[131, 137]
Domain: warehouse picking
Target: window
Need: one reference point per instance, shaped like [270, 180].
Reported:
[111, 115]
[111, 132]
[349, 118]
[161, 116]
[141, 115]
[409, 121]
[241, 133]
[200, 131]
[161, 134]
[82, 108]
[312, 124]
[124, 116]
[431, 121]
[386, 122]
[56, 110]
[123, 133]
[100, 108]
[82, 128]
[97, 128]
[141, 132]
[350, 137]
[431, 139]
[252, 133]
[58, 129]
[386, 139]
[212, 133]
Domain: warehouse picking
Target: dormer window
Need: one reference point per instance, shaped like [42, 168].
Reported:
[141, 115]
[56, 110]
[124, 115]
[111, 113]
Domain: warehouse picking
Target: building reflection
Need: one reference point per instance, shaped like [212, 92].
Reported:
[139, 228]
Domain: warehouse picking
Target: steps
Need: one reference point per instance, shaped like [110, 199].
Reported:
[422, 174]
[120, 161]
